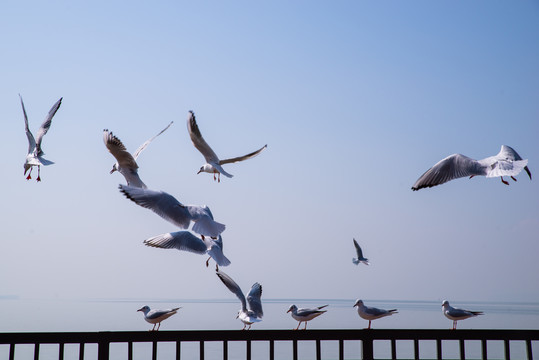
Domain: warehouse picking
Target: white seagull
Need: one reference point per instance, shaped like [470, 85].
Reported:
[506, 163]
[156, 316]
[371, 313]
[247, 315]
[457, 314]
[126, 163]
[304, 315]
[186, 241]
[35, 153]
[170, 209]
[213, 164]
[360, 257]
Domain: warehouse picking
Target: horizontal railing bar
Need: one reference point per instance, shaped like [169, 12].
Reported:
[264, 335]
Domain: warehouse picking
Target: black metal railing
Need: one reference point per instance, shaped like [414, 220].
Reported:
[367, 338]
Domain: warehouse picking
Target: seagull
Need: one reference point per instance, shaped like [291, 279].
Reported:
[156, 316]
[371, 313]
[186, 241]
[170, 209]
[254, 313]
[360, 257]
[457, 314]
[126, 163]
[35, 153]
[304, 315]
[213, 164]
[506, 163]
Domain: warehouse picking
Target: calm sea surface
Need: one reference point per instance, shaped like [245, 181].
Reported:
[51, 315]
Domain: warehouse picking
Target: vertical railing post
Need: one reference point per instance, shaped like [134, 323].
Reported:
[439, 349]
[248, 349]
[462, 349]
[507, 349]
[341, 349]
[294, 349]
[36, 351]
[81, 351]
[484, 349]
[103, 347]
[272, 350]
[318, 350]
[179, 350]
[416, 349]
[61, 351]
[529, 349]
[11, 351]
[202, 350]
[154, 350]
[393, 349]
[367, 352]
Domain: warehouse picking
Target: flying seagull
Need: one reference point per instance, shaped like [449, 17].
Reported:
[213, 164]
[186, 241]
[304, 315]
[506, 163]
[126, 163]
[360, 257]
[156, 316]
[247, 315]
[457, 314]
[35, 153]
[170, 209]
[371, 313]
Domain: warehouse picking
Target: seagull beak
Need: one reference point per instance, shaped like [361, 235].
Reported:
[199, 171]
[113, 170]
[140, 309]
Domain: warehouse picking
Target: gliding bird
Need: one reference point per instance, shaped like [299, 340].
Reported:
[186, 241]
[213, 164]
[360, 257]
[254, 313]
[170, 209]
[35, 153]
[506, 163]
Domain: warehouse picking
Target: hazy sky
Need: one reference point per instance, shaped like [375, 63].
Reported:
[355, 101]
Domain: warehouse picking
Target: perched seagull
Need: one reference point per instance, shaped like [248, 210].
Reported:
[371, 313]
[126, 163]
[457, 314]
[35, 153]
[172, 210]
[156, 316]
[186, 241]
[304, 315]
[254, 313]
[360, 257]
[506, 163]
[213, 164]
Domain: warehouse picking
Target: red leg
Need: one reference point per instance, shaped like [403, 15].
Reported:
[512, 177]
[369, 325]
[38, 172]
[503, 181]
[208, 262]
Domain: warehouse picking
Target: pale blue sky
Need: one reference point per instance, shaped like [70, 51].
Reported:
[355, 101]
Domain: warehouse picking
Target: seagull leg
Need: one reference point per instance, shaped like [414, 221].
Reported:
[30, 173]
[216, 267]
[153, 328]
[219, 177]
[208, 262]
[454, 324]
[503, 181]
[305, 328]
[471, 176]
[158, 326]
[202, 236]
[38, 172]
[369, 325]
[512, 177]
[298, 325]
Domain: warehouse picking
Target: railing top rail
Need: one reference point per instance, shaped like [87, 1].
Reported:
[265, 335]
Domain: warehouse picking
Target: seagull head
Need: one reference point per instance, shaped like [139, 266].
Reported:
[144, 309]
[292, 308]
[445, 303]
[358, 303]
[114, 168]
[200, 170]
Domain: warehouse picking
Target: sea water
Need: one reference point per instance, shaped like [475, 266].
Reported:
[66, 315]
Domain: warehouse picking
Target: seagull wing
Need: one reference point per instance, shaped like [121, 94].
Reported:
[147, 142]
[199, 142]
[161, 203]
[452, 167]
[46, 125]
[358, 250]
[119, 151]
[255, 304]
[216, 252]
[31, 140]
[181, 240]
[232, 286]
[244, 157]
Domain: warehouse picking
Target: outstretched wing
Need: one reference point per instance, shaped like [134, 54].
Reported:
[161, 203]
[31, 140]
[244, 157]
[119, 151]
[255, 304]
[232, 286]
[198, 140]
[452, 167]
[147, 142]
[46, 125]
[181, 240]
[358, 250]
